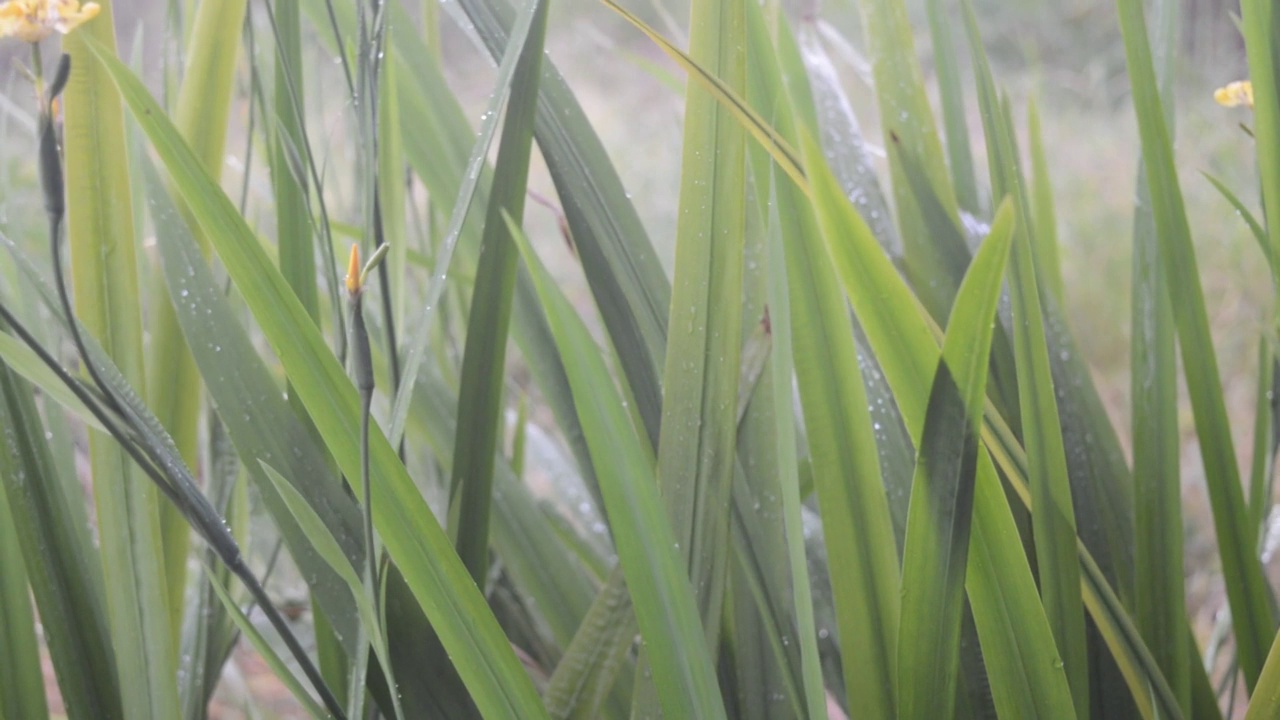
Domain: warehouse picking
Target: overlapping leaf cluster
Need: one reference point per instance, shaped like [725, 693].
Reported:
[846, 458]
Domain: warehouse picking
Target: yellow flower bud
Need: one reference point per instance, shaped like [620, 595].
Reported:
[353, 271]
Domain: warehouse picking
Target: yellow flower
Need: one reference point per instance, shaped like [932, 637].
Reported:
[1235, 94]
[35, 20]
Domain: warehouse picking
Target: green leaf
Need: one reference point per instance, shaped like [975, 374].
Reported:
[850, 494]
[596, 656]
[62, 566]
[1265, 700]
[731, 98]
[938, 292]
[1151, 692]
[696, 446]
[480, 417]
[100, 233]
[1247, 591]
[1260, 25]
[535, 557]
[1052, 511]
[619, 261]
[647, 547]
[1023, 665]
[804, 61]
[472, 185]
[23, 360]
[765, 637]
[173, 389]
[937, 543]
[777, 440]
[289, 186]
[1042, 210]
[1255, 228]
[906, 120]
[264, 648]
[391, 185]
[22, 683]
[841, 437]
[1265, 438]
[1101, 488]
[326, 545]
[1160, 608]
[951, 91]
[414, 539]
[208, 634]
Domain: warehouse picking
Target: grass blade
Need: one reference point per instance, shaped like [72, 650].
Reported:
[781, 662]
[289, 185]
[806, 62]
[906, 115]
[533, 557]
[937, 543]
[274, 432]
[852, 499]
[391, 186]
[647, 546]
[626, 279]
[371, 627]
[783, 209]
[1266, 440]
[951, 91]
[203, 106]
[63, 570]
[1043, 210]
[1260, 24]
[1265, 701]
[470, 186]
[264, 648]
[22, 683]
[851, 496]
[100, 230]
[1160, 607]
[208, 635]
[23, 361]
[595, 657]
[1255, 228]
[1052, 507]
[480, 422]
[696, 443]
[1246, 587]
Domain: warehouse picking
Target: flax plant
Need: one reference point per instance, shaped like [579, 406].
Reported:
[838, 462]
